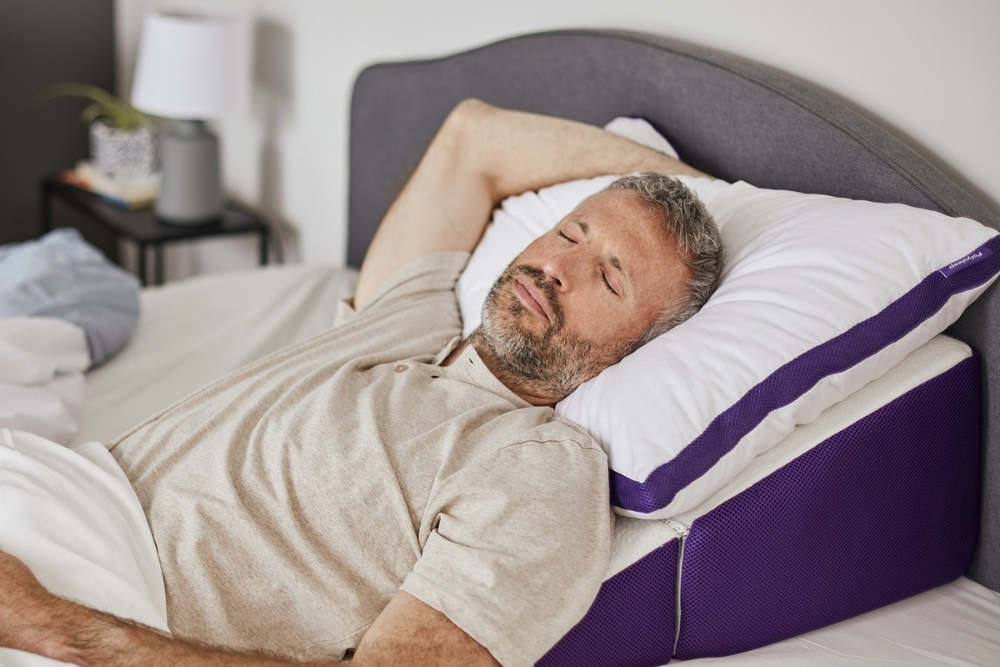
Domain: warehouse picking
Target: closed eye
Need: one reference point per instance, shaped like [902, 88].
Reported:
[608, 284]
[562, 234]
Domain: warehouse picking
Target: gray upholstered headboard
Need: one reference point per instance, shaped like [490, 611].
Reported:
[725, 115]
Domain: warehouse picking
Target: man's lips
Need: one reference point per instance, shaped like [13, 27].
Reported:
[531, 296]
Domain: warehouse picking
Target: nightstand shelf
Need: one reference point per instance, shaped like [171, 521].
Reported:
[145, 230]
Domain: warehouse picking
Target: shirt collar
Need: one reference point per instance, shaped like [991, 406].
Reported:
[469, 367]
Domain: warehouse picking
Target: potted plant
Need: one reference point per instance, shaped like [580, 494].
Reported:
[123, 143]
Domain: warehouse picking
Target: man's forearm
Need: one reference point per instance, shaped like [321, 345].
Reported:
[70, 632]
[82, 636]
[522, 151]
[34, 620]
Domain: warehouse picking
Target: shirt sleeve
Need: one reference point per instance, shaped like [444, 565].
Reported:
[426, 275]
[520, 548]
[415, 310]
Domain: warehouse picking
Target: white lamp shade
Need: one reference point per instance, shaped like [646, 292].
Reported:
[188, 66]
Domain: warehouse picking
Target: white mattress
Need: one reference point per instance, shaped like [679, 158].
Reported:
[193, 332]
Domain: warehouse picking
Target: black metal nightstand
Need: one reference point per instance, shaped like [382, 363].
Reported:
[144, 229]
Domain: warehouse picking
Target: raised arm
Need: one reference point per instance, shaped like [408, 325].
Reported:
[481, 155]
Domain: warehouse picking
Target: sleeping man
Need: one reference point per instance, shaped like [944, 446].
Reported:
[389, 491]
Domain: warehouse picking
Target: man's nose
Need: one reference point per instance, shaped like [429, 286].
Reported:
[561, 269]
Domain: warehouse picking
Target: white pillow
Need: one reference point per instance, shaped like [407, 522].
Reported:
[819, 296]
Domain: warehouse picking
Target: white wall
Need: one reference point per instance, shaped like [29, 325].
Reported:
[927, 69]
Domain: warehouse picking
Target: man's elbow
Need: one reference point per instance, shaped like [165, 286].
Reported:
[467, 135]
[468, 113]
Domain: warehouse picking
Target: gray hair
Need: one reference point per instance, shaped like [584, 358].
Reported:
[691, 226]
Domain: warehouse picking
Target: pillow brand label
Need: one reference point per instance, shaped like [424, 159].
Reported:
[967, 261]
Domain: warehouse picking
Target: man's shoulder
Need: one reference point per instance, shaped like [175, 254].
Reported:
[555, 429]
[425, 286]
[434, 272]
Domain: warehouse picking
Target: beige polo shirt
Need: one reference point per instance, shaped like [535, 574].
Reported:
[290, 500]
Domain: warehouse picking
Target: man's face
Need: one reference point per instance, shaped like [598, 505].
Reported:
[573, 301]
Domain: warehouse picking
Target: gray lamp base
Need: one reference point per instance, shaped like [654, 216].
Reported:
[191, 193]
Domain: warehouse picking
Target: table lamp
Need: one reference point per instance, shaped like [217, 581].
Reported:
[187, 70]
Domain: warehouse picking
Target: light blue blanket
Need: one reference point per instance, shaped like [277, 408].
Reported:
[61, 275]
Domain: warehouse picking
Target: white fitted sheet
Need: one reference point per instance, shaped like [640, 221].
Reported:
[957, 625]
[193, 332]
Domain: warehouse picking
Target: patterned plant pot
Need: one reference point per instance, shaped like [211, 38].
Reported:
[124, 155]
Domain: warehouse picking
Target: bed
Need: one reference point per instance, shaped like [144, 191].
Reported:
[725, 582]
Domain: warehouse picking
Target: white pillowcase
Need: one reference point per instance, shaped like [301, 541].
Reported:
[819, 296]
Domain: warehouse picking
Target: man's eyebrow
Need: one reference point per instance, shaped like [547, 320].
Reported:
[613, 260]
[621, 269]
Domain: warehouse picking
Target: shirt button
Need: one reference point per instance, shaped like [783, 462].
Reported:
[400, 368]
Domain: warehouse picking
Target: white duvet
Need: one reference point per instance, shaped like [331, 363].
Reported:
[42, 362]
[71, 515]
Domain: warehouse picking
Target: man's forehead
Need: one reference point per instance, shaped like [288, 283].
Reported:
[614, 206]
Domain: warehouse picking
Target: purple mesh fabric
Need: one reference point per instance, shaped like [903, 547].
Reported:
[631, 623]
[795, 378]
[882, 510]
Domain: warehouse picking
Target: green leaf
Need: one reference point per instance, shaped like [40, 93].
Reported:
[91, 113]
[104, 104]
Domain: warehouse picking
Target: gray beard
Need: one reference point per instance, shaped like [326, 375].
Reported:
[548, 364]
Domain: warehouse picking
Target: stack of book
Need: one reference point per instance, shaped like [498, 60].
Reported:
[125, 194]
